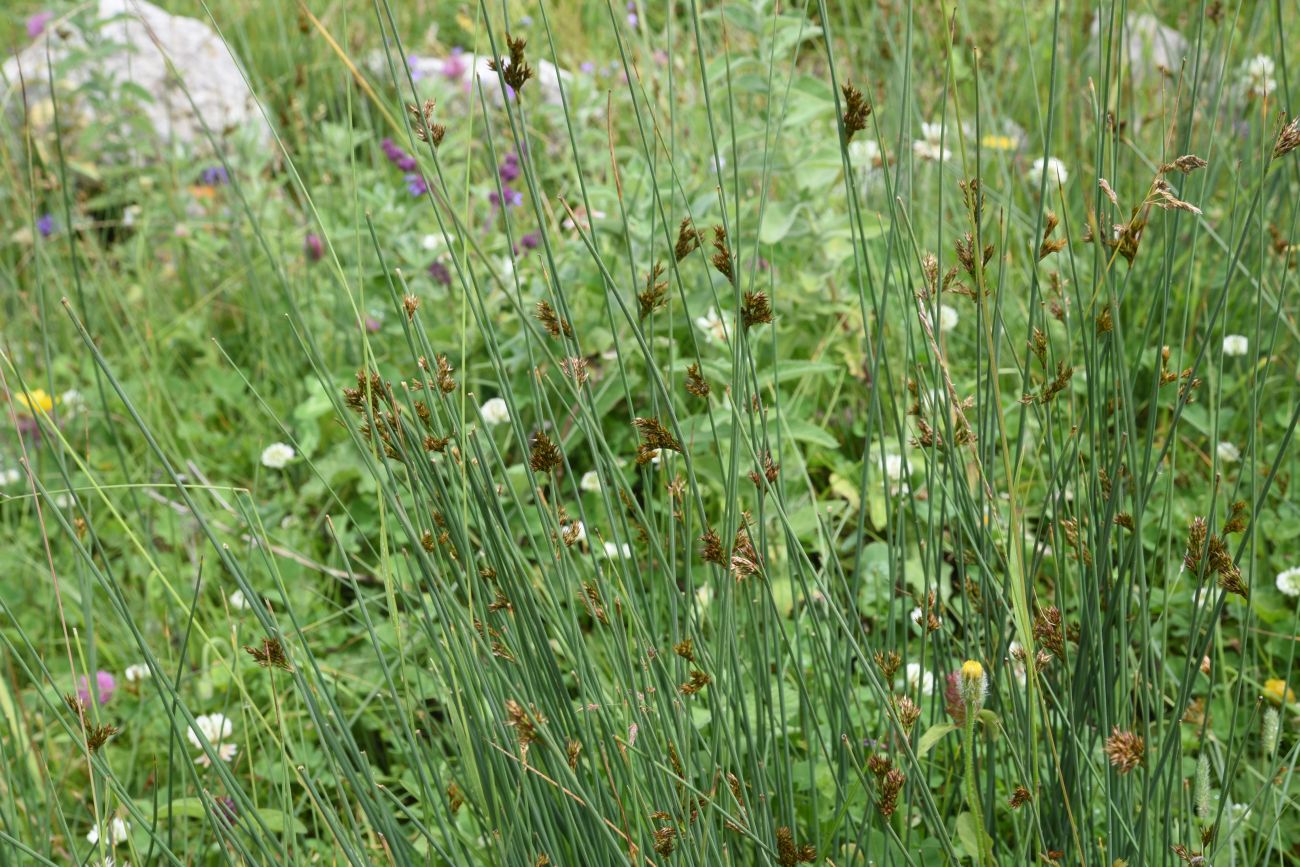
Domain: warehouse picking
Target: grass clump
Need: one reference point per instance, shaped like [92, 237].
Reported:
[787, 435]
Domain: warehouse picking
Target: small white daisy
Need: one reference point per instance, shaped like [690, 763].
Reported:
[1288, 581]
[948, 317]
[1052, 167]
[495, 412]
[217, 728]
[613, 550]
[1227, 452]
[1236, 344]
[277, 456]
[590, 482]
[136, 672]
[117, 829]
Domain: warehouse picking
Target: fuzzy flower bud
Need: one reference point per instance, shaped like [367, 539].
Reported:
[974, 686]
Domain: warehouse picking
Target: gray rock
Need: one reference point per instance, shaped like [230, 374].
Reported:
[1149, 47]
[133, 43]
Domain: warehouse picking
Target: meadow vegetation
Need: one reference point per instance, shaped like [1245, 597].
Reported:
[829, 432]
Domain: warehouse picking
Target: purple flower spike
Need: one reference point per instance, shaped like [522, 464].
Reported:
[313, 247]
[439, 273]
[531, 241]
[105, 685]
[45, 225]
[37, 23]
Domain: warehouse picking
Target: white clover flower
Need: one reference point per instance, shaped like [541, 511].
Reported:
[865, 155]
[218, 729]
[590, 482]
[73, 401]
[136, 672]
[431, 242]
[930, 145]
[1288, 581]
[717, 164]
[712, 325]
[1227, 452]
[1236, 344]
[614, 550]
[276, 456]
[495, 412]
[915, 677]
[237, 600]
[1257, 76]
[893, 467]
[948, 317]
[117, 829]
[1052, 167]
[10, 476]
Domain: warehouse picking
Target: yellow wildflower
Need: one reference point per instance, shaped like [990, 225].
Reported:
[33, 400]
[1276, 690]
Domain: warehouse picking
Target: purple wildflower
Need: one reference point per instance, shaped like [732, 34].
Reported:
[415, 184]
[439, 273]
[454, 67]
[45, 225]
[632, 20]
[105, 685]
[373, 324]
[413, 64]
[509, 170]
[397, 156]
[526, 20]
[214, 176]
[588, 67]
[227, 810]
[313, 247]
[531, 241]
[512, 198]
[36, 24]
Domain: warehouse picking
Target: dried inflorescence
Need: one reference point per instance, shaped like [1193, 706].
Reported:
[744, 558]
[909, 712]
[721, 257]
[1288, 139]
[654, 436]
[771, 471]
[422, 123]
[545, 456]
[576, 369]
[856, 110]
[788, 854]
[270, 655]
[551, 321]
[1019, 798]
[1125, 750]
[514, 69]
[890, 784]
[698, 681]
[888, 663]
[1048, 631]
[695, 382]
[1050, 245]
[711, 548]
[654, 296]
[688, 239]
[525, 722]
[755, 309]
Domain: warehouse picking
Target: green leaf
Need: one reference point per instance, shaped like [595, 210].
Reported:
[193, 808]
[932, 736]
[969, 833]
[777, 220]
